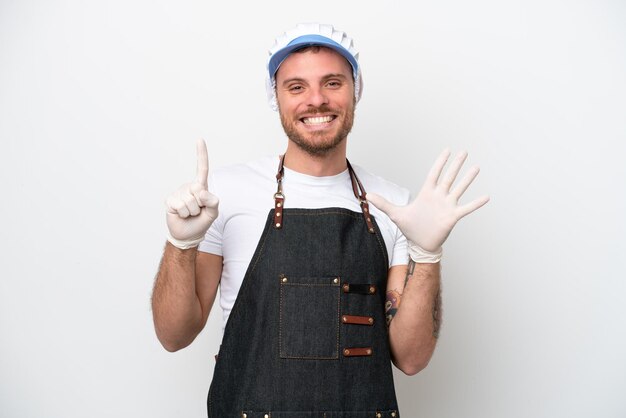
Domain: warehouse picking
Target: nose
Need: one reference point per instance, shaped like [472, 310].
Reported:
[317, 97]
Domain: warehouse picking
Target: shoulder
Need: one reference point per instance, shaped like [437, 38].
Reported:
[244, 191]
[376, 184]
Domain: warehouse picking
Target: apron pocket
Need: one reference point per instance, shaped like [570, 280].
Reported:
[309, 317]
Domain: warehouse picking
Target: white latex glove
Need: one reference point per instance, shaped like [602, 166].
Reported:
[192, 209]
[429, 219]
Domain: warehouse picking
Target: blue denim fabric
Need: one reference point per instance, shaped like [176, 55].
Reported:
[282, 354]
[327, 414]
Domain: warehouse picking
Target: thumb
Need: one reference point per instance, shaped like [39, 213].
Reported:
[208, 200]
[381, 203]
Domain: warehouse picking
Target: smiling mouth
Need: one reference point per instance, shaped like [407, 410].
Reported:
[318, 120]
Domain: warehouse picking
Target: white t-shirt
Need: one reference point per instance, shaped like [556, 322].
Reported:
[246, 193]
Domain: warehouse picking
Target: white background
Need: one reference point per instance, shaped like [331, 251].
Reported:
[100, 107]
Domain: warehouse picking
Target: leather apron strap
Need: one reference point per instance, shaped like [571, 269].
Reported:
[357, 188]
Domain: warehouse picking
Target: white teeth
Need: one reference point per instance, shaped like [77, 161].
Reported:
[317, 120]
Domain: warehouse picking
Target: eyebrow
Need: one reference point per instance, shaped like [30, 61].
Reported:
[326, 77]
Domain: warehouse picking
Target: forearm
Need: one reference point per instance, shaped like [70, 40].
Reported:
[176, 308]
[414, 326]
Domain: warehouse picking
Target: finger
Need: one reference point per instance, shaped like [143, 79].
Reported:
[465, 182]
[207, 200]
[435, 170]
[472, 206]
[192, 205]
[203, 163]
[176, 206]
[198, 191]
[381, 203]
[453, 171]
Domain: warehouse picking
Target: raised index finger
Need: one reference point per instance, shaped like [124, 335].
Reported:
[203, 163]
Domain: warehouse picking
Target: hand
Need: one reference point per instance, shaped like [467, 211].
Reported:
[192, 209]
[429, 219]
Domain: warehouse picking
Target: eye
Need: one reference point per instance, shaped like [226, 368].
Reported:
[334, 84]
[296, 88]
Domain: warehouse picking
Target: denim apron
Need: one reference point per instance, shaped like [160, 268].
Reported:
[306, 337]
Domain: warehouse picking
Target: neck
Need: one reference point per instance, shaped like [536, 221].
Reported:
[329, 164]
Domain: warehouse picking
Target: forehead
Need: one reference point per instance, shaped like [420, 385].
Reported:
[313, 62]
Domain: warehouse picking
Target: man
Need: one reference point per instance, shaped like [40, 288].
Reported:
[317, 293]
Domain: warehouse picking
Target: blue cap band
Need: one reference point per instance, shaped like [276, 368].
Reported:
[310, 40]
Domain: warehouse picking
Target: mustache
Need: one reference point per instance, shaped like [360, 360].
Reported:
[316, 110]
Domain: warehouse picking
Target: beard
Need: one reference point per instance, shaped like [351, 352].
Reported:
[318, 143]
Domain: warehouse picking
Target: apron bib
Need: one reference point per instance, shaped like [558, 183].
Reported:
[306, 337]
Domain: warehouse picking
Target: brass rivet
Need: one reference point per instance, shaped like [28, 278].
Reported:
[372, 289]
[393, 414]
[244, 415]
[369, 219]
[279, 204]
[278, 225]
[266, 416]
[284, 280]
[378, 415]
[371, 229]
[346, 352]
[346, 287]
[371, 320]
[277, 213]
[344, 319]
[335, 280]
[369, 351]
